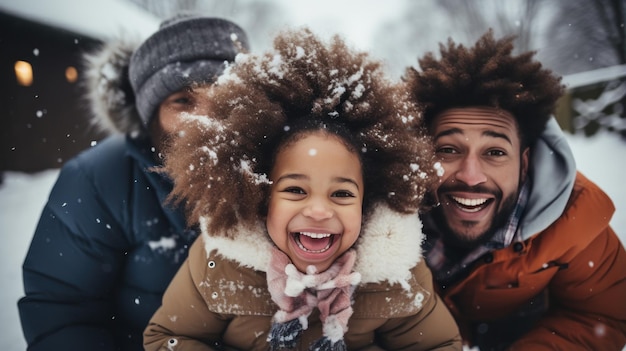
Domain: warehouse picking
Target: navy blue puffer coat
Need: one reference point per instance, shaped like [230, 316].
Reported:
[104, 251]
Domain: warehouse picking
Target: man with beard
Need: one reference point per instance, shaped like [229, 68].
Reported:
[519, 242]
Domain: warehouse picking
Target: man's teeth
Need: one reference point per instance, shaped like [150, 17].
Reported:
[315, 235]
[469, 202]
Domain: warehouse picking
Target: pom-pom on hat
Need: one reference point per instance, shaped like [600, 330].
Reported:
[185, 49]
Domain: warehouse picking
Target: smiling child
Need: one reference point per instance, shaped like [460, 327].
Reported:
[305, 179]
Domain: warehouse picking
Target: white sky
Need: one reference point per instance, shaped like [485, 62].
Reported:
[349, 18]
[98, 19]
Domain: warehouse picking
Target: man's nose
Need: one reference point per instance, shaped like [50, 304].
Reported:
[201, 105]
[471, 171]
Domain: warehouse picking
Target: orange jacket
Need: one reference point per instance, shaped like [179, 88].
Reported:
[573, 272]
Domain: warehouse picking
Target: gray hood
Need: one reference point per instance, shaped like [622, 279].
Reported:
[552, 171]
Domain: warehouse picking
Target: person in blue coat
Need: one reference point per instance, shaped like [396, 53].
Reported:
[107, 243]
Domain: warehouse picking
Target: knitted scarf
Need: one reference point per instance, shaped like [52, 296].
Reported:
[297, 294]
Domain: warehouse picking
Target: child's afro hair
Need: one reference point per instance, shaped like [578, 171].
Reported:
[220, 162]
[487, 75]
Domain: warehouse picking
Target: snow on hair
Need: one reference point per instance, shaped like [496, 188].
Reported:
[220, 166]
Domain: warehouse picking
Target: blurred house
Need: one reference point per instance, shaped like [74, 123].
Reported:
[43, 117]
[594, 100]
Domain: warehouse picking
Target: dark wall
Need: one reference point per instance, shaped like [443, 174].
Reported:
[45, 124]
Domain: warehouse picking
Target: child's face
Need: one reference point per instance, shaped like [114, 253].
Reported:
[315, 206]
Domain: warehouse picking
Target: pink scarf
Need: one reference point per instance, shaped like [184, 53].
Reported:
[296, 294]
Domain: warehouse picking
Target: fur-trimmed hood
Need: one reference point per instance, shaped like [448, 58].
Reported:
[388, 247]
[108, 92]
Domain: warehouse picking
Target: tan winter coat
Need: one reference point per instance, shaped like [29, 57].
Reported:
[219, 297]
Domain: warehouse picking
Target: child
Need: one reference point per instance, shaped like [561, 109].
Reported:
[305, 182]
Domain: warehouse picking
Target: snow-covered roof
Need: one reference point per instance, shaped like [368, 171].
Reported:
[97, 19]
[605, 74]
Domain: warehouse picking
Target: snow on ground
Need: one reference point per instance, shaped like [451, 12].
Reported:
[22, 197]
[600, 158]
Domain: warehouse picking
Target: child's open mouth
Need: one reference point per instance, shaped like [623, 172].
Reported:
[313, 242]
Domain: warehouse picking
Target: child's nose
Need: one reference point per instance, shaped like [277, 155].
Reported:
[318, 211]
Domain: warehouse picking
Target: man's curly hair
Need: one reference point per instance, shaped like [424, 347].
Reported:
[487, 75]
[220, 162]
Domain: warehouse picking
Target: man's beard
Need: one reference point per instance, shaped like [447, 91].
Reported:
[459, 241]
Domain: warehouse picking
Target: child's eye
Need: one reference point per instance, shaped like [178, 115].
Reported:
[294, 190]
[343, 193]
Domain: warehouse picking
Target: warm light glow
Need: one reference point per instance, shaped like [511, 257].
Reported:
[24, 73]
[71, 74]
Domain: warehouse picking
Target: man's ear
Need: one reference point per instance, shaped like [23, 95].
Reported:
[525, 159]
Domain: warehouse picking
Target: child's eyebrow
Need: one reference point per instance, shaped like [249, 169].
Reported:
[295, 176]
[346, 180]
[298, 176]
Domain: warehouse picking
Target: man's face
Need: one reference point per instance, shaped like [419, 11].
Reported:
[187, 101]
[480, 151]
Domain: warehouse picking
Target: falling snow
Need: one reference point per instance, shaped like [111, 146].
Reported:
[22, 197]
[163, 244]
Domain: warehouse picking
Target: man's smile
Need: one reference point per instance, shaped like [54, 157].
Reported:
[470, 204]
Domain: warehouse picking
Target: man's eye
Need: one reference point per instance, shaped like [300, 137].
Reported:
[183, 101]
[446, 150]
[496, 153]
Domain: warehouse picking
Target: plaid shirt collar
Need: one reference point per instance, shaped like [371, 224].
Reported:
[446, 270]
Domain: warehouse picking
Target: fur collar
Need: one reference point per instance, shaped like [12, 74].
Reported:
[388, 247]
[108, 92]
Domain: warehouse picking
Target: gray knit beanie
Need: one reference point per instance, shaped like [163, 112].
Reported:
[186, 49]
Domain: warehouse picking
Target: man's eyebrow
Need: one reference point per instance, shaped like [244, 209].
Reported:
[493, 134]
[490, 133]
[448, 132]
